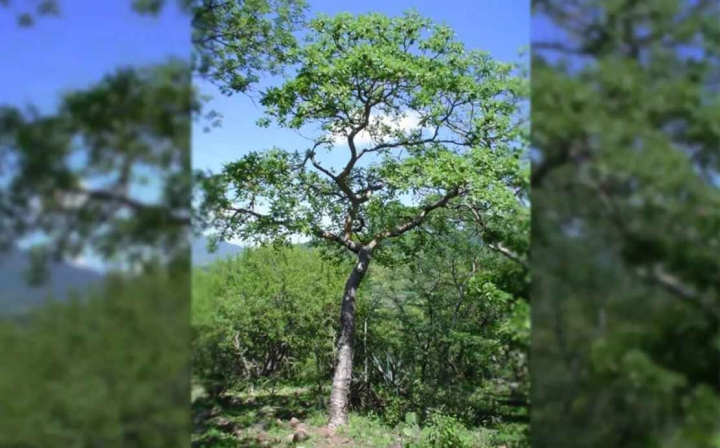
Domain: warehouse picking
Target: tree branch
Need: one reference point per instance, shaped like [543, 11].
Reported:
[673, 285]
[134, 205]
[316, 231]
[347, 243]
[498, 247]
[417, 220]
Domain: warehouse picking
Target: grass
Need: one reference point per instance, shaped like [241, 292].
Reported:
[262, 419]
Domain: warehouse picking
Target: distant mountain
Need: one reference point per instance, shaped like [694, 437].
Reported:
[17, 296]
[202, 257]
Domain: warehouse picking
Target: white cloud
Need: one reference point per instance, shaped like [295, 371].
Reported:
[407, 123]
[90, 261]
[74, 199]
[81, 261]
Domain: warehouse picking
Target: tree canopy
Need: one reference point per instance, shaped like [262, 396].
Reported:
[356, 80]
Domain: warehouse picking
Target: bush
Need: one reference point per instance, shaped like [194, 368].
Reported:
[443, 431]
[110, 369]
[511, 435]
[447, 432]
[268, 313]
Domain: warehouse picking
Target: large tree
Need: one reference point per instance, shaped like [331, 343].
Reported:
[418, 122]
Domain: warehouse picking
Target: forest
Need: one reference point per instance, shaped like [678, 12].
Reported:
[457, 251]
[440, 356]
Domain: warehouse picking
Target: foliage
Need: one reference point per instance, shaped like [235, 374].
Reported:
[421, 351]
[106, 369]
[236, 41]
[72, 177]
[78, 176]
[445, 432]
[624, 239]
[450, 328]
[268, 313]
[359, 76]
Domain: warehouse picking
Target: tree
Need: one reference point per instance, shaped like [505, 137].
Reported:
[358, 78]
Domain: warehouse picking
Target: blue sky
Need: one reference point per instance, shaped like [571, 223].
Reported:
[90, 39]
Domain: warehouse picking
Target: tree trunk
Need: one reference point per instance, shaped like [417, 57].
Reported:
[339, 396]
[366, 369]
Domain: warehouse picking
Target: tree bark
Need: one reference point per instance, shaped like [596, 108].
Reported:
[340, 394]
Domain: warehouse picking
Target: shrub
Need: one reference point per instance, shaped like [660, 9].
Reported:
[265, 314]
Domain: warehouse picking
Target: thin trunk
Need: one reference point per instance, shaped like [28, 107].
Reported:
[319, 366]
[340, 394]
[366, 370]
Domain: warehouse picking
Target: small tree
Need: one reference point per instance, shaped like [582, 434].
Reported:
[423, 123]
[268, 321]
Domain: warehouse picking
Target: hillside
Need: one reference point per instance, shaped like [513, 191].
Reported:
[17, 295]
[202, 257]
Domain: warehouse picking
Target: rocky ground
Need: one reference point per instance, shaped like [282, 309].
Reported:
[295, 417]
[284, 419]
